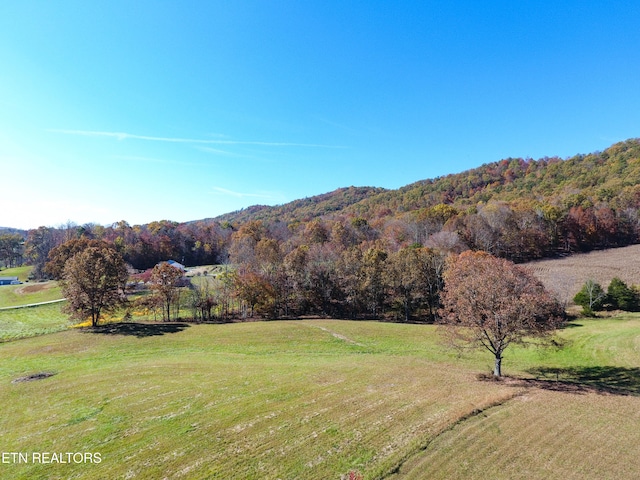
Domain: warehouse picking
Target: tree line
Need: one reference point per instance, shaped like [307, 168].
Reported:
[512, 307]
[513, 231]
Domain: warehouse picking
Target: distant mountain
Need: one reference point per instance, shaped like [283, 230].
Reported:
[515, 208]
[611, 176]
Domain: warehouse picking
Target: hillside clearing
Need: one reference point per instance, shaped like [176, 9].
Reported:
[21, 272]
[565, 276]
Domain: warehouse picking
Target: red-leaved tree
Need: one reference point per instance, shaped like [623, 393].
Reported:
[491, 303]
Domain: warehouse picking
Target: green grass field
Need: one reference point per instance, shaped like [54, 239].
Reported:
[31, 321]
[28, 292]
[316, 399]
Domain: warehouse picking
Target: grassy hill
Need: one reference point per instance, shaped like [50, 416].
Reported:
[31, 321]
[316, 399]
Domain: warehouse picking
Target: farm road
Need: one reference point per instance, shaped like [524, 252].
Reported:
[339, 336]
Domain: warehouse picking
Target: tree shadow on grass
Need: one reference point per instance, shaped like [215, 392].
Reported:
[604, 380]
[139, 330]
[570, 324]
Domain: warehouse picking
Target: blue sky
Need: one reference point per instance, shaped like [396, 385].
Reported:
[151, 110]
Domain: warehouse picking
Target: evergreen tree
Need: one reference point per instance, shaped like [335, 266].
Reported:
[621, 297]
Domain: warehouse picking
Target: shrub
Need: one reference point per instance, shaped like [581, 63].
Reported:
[620, 296]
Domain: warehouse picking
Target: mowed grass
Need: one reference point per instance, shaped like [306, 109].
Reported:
[544, 435]
[579, 420]
[253, 400]
[316, 399]
[31, 321]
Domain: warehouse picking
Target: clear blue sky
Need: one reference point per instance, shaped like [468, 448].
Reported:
[181, 110]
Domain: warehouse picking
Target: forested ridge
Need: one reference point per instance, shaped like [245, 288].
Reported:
[368, 251]
[581, 180]
[303, 209]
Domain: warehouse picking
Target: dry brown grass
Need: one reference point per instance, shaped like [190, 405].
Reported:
[565, 276]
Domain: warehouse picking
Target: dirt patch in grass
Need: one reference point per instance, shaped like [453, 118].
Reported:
[32, 288]
[33, 376]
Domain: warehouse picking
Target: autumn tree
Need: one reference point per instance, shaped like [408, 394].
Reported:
[492, 303]
[414, 278]
[37, 246]
[93, 282]
[256, 293]
[295, 264]
[321, 283]
[165, 281]
[11, 249]
[202, 300]
[59, 255]
[373, 286]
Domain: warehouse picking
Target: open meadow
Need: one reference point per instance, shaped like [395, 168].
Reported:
[316, 399]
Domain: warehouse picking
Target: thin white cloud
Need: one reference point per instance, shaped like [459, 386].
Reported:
[224, 191]
[133, 158]
[339, 126]
[225, 153]
[129, 136]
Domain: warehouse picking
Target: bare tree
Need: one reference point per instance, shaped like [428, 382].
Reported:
[202, 300]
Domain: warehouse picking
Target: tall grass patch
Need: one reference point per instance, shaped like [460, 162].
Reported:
[30, 321]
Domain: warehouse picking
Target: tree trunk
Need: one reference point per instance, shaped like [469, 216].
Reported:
[406, 310]
[497, 370]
